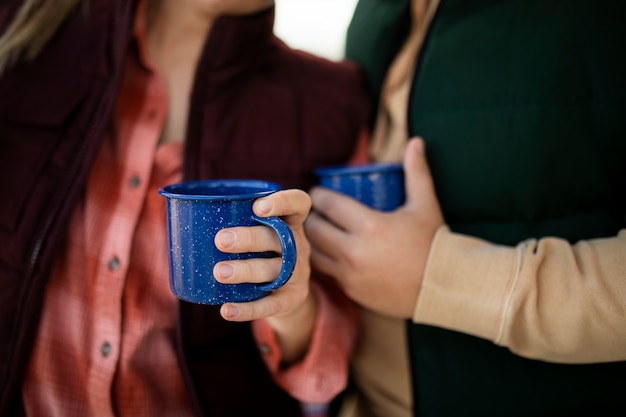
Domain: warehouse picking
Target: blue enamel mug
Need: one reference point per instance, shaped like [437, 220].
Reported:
[196, 211]
[377, 185]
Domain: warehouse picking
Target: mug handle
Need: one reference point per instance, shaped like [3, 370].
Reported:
[288, 249]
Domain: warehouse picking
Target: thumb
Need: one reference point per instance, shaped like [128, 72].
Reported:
[418, 181]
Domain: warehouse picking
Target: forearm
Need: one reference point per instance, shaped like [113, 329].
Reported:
[543, 299]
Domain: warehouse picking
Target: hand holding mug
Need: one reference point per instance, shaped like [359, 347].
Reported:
[292, 207]
[237, 241]
[220, 235]
[378, 258]
[290, 310]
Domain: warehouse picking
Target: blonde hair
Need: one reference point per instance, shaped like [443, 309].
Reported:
[34, 24]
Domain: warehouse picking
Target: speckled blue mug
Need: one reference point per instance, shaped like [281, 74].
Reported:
[196, 211]
[377, 185]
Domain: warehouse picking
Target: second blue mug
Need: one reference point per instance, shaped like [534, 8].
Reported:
[377, 185]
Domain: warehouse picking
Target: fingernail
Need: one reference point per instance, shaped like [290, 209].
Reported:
[230, 311]
[226, 239]
[224, 271]
[419, 146]
[263, 206]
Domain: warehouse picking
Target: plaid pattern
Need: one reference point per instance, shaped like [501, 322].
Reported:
[105, 342]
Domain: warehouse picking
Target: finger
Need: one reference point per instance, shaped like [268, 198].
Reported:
[253, 310]
[274, 304]
[342, 210]
[247, 239]
[418, 180]
[292, 205]
[324, 262]
[323, 235]
[254, 270]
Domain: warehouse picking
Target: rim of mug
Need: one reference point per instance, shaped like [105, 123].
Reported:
[359, 168]
[263, 188]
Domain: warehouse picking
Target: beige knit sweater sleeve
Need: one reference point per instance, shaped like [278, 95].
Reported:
[544, 299]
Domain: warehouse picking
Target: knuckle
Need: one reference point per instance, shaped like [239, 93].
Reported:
[273, 306]
[370, 225]
[352, 258]
[250, 237]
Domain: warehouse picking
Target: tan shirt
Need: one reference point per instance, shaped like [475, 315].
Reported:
[543, 299]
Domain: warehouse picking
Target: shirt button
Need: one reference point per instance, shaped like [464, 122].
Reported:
[114, 263]
[105, 349]
[265, 349]
[134, 181]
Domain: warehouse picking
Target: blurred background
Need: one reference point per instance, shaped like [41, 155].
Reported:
[317, 26]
